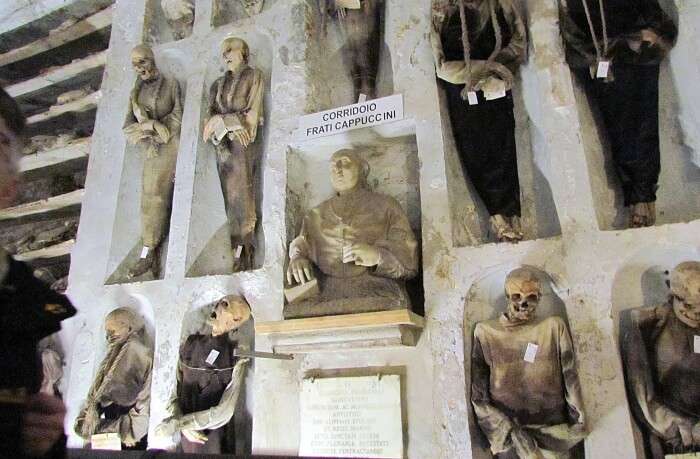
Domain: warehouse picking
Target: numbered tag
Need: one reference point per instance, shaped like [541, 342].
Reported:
[531, 352]
[696, 344]
[211, 358]
[144, 252]
[108, 441]
[603, 69]
[237, 253]
[471, 97]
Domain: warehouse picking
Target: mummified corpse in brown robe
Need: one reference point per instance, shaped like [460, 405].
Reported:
[525, 388]
[235, 112]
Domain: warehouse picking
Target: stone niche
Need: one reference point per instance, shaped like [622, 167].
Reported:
[157, 29]
[228, 11]
[209, 244]
[126, 245]
[486, 300]
[642, 281]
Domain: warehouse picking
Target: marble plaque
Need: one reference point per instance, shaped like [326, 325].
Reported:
[351, 417]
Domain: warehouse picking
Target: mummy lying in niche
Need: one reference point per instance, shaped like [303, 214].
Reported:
[360, 241]
[661, 357]
[209, 380]
[525, 388]
[119, 399]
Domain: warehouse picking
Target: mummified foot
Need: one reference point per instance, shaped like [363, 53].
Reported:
[504, 230]
[148, 263]
[642, 214]
[243, 253]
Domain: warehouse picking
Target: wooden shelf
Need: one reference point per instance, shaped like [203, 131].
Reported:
[84, 27]
[80, 105]
[53, 251]
[58, 75]
[44, 206]
[79, 149]
[344, 332]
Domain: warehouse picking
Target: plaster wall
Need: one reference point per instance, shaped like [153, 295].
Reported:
[566, 237]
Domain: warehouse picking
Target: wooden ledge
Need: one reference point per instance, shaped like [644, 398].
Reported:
[61, 201]
[52, 251]
[325, 323]
[78, 149]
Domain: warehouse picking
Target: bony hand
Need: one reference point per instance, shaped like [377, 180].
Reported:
[361, 254]
[167, 427]
[210, 127]
[195, 436]
[42, 424]
[524, 444]
[162, 131]
[490, 84]
[299, 271]
[242, 136]
[650, 36]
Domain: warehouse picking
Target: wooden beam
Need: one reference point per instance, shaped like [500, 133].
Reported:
[58, 75]
[45, 205]
[76, 150]
[85, 103]
[84, 27]
[363, 320]
[52, 251]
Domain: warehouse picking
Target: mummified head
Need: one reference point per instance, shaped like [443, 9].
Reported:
[144, 62]
[523, 292]
[235, 52]
[348, 171]
[685, 292]
[120, 323]
[229, 313]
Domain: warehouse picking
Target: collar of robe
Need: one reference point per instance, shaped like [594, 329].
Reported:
[508, 322]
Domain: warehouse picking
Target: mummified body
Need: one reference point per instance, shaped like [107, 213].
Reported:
[235, 112]
[209, 380]
[180, 16]
[361, 243]
[360, 23]
[527, 399]
[478, 47]
[153, 124]
[633, 37]
[661, 356]
[119, 399]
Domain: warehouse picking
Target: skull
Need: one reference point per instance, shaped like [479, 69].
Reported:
[229, 314]
[144, 62]
[120, 323]
[523, 291]
[234, 52]
[685, 293]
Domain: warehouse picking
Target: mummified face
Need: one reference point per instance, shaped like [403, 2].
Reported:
[117, 328]
[523, 292]
[347, 171]
[234, 52]
[144, 63]
[685, 291]
[229, 313]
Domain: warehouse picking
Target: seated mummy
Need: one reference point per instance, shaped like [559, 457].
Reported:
[360, 241]
[525, 389]
[119, 399]
[660, 349]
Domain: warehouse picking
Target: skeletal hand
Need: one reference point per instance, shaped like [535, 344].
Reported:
[299, 271]
[361, 254]
[490, 84]
[210, 126]
[242, 136]
[195, 436]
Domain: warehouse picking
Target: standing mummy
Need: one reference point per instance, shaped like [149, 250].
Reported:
[614, 48]
[478, 46]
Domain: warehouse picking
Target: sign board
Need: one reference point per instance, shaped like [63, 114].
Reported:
[364, 114]
[351, 417]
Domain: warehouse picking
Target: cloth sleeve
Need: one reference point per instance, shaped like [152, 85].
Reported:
[173, 120]
[134, 426]
[493, 422]
[515, 53]
[253, 111]
[640, 324]
[300, 246]
[399, 249]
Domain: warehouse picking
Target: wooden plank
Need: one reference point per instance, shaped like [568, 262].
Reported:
[58, 75]
[86, 26]
[45, 205]
[76, 150]
[85, 103]
[363, 320]
[53, 251]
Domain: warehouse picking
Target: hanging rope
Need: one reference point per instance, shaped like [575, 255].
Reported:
[599, 54]
[467, 49]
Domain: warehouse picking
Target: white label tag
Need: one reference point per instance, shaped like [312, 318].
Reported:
[531, 352]
[362, 99]
[603, 68]
[211, 358]
[696, 344]
[471, 97]
[237, 253]
[144, 252]
[498, 91]
[108, 441]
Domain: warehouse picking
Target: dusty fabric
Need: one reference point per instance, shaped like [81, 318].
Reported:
[239, 99]
[446, 39]
[624, 20]
[629, 108]
[662, 373]
[158, 100]
[361, 216]
[542, 398]
[119, 398]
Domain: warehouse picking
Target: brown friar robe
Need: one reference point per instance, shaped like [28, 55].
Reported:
[543, 397]
[157, 100]
[662, 372]
[238, 98]
[366, 217]
[119, 399]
